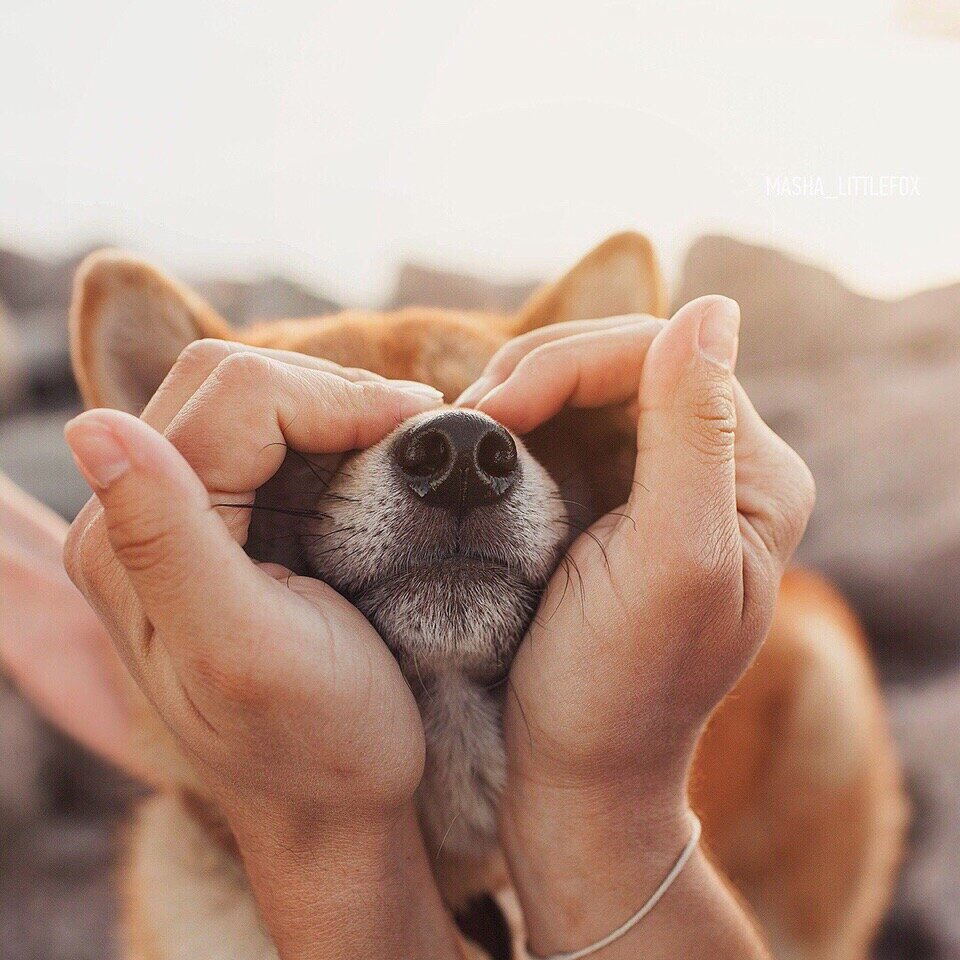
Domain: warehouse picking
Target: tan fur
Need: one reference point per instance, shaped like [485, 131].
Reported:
[797, 783]
[796, 777]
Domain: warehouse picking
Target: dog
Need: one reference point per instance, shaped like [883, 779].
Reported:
[796, 779]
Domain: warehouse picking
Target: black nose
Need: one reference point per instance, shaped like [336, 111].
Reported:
[457, 460]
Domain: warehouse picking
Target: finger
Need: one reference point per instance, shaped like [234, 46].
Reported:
[93, 567]
[90, 560]
[504, 361]
[236, 428]
[592, 369]
[185, 568]
[200, 358]
[685, 482]
[775, 489]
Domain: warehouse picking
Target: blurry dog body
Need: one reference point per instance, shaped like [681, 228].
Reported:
[795, 779]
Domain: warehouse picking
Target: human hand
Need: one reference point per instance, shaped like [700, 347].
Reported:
[266, 679]
[292, 709]
[674, 595]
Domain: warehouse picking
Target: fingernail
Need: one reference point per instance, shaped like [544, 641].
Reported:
[96, 451]
[475, 391]
[417, 397]
[413, 403]
[415, 387]
[720, 331]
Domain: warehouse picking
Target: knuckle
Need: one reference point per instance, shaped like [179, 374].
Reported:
[202, 355]
[713, 420]
[714, 404]
[91, 562]
[139, 546]
[343, 391]
[510, 355]
[344, 399]
[713, 444]
[540, 356]
[344, 396]
[83, 554]
[243, 370]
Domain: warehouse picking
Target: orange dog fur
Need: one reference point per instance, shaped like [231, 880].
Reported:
[796, 778]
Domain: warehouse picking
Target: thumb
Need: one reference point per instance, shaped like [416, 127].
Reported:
[686, 425]
[185, 568]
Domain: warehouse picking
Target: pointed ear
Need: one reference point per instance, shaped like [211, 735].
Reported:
[620, 276]
[128, 324]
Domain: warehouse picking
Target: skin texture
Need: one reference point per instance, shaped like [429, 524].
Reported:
[236, 680]
[812, 905]
[198, 682]
[708, 591]
[602, 721]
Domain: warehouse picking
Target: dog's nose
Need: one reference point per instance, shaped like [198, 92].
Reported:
[458, 460]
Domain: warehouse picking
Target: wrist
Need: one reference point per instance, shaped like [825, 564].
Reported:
[368, 846]
[583, 857]
[292, 819]
[597, 796]
[336, 890]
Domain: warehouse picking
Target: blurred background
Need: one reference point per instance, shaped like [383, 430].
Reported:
[289, 158]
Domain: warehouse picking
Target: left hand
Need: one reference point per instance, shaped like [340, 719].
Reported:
[289, 705]
[245, 663]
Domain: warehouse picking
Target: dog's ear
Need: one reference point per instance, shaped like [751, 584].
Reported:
[128, 324]
[620, 276]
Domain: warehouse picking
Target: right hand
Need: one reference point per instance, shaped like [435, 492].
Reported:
[283, 695]
[675, 590]
[673, 596]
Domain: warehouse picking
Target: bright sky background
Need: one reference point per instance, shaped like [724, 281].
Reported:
[331, 139]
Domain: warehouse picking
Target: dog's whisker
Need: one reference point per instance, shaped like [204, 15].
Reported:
[447, 834]
[288, 511]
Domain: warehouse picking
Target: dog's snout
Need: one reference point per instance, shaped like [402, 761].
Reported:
[457, 460]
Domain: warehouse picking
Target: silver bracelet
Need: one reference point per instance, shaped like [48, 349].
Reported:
[656, 897]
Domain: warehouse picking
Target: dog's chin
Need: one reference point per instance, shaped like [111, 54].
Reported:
[457, 612]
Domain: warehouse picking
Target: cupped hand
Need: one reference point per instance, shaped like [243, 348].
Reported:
[672, 597]
[676, 589]
[280, 691]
